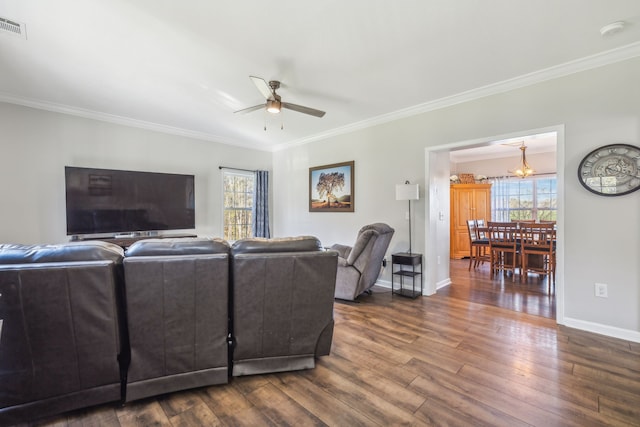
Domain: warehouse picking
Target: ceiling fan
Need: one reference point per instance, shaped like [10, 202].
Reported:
[274, 101]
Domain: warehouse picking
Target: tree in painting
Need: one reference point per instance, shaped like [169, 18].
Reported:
[328, 183]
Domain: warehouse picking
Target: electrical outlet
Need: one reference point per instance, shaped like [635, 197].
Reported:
[406, 215]
[601, 290]
[438, 259]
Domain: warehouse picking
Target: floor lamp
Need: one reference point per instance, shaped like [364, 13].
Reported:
[408, 192]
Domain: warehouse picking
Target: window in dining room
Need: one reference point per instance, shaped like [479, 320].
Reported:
[515, 199]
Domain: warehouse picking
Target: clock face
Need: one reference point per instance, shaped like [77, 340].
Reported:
[612, 170]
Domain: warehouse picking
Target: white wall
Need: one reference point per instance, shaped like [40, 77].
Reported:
[382, 160]
[438, 229]
[596, 107]
[602, 244]
[36, 145]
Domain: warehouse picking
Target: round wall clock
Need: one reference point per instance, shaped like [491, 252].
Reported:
[611, 170]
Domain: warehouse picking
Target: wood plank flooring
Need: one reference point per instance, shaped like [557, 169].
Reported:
[534, 296]
[478, 353]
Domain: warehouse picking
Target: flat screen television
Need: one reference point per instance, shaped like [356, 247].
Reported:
[101, 201]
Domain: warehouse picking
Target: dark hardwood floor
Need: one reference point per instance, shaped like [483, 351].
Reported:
[533, 297]
[479, 352]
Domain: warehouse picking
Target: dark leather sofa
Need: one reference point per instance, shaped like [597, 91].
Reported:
[83, 323]
[177, 306]
[282, 304]
[61, 331]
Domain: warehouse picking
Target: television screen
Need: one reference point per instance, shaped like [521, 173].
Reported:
[116, 201]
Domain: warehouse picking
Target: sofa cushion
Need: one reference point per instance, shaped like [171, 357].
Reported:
[177, 246]
[177, 305]
[284, 244]
[92, 250]
[62, 330]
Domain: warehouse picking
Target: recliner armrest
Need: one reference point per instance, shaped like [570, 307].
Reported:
[343, 250]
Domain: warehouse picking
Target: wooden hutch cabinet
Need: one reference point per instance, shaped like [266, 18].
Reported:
[468, 201]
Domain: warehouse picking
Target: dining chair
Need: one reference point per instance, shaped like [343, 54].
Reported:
[478, 244]
[503, 247]
[521, 222]
[483, 242]
[482, 229]
[538, 250]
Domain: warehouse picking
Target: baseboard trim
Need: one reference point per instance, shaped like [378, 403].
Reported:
[440, 284]
[598, 328]
[383, 283]
[443, 283]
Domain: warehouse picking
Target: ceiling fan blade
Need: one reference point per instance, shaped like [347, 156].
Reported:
[262, 86]
[302, 109]
[249, 109]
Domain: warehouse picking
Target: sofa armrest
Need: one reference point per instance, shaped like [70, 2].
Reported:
[343, 250]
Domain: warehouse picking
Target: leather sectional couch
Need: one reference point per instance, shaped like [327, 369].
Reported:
[62, 328]
[282, 304]
[85, 323]
[177, 312]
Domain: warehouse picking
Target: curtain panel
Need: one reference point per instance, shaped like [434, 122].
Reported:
[499, 199]
[260, 209]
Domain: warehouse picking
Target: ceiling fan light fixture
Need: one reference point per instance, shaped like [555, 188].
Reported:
[273, 106]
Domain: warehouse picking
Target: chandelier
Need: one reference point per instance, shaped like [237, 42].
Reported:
[523, 170]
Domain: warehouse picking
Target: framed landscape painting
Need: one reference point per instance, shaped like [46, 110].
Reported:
[331, 188]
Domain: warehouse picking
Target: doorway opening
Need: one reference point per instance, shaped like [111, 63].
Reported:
[487, 158]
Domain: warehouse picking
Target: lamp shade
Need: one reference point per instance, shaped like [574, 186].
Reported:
[407, 192]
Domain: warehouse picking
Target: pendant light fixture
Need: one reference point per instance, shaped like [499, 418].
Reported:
[523, 170]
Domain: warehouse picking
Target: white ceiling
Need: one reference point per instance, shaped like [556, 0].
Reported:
[505, 148]
[183, 67]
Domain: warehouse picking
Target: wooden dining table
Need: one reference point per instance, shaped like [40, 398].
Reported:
[535, 261]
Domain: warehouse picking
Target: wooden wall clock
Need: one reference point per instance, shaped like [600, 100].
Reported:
[611, 170]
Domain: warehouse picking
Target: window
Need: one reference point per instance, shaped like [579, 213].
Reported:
[514, 199]
[238, 200]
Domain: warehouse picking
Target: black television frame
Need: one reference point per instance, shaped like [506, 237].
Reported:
[114, 202]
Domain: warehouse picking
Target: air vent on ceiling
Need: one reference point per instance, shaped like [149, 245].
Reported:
[8, 26]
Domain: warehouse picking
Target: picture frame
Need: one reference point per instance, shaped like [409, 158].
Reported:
[332, 188]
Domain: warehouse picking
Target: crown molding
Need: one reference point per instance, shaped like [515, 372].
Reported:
[120, 120]
[583, 64]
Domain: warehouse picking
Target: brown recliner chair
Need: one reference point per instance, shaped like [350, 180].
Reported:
[177, 307]
[282, 298]
[61, 329]
[359, 266]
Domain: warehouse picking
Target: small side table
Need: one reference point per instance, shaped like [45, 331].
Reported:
[407, 264]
